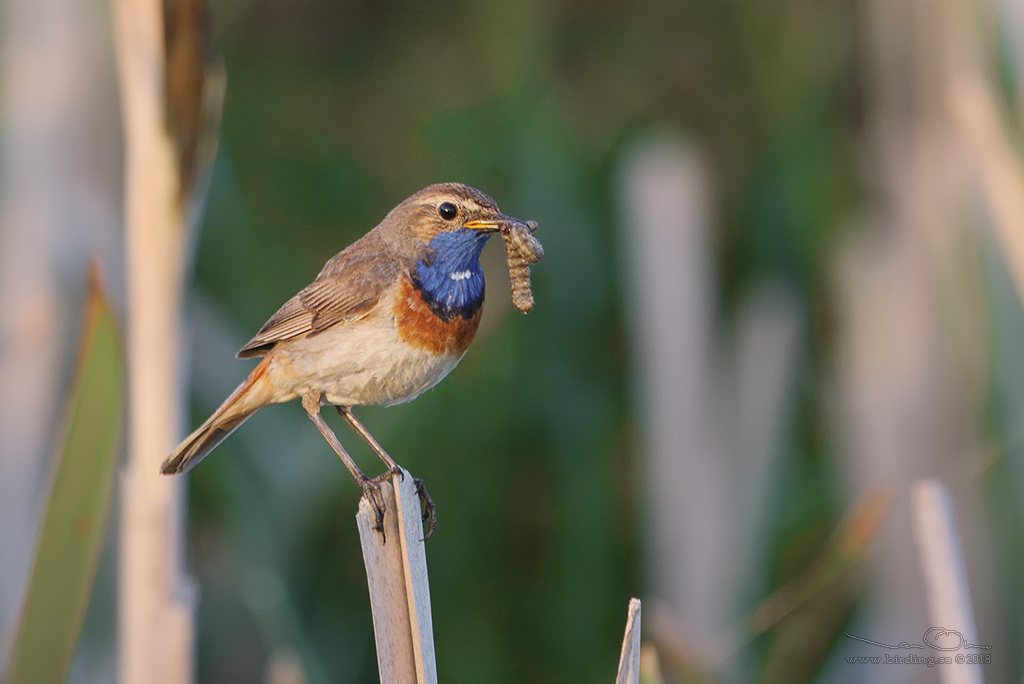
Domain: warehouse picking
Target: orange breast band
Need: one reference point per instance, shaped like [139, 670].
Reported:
[422, 328]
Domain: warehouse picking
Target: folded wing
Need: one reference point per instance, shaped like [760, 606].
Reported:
[347, 289]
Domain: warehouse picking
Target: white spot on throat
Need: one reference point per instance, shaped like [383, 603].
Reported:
[461, 275]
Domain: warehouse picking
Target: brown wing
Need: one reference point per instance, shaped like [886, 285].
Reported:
[347, 288]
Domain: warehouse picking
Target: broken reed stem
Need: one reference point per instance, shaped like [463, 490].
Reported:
[629, 658]
[942, 564]
[396, 571]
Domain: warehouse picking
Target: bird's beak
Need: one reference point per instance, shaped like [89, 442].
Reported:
[492, 225]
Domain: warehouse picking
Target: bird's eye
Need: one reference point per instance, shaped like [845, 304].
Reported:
[447, 211]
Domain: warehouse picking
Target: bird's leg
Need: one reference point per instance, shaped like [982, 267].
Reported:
[346, 413]
[429, 510]
[311, 403]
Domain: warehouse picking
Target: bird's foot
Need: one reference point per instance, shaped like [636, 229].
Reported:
[429, 509]
[429, 515]
[372, 492]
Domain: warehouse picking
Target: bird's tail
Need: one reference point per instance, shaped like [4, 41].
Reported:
[242, 403]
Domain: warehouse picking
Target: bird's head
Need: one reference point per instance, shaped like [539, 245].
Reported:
[447, 208]
[443, 228]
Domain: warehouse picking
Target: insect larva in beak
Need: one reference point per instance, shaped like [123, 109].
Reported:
[521, 249]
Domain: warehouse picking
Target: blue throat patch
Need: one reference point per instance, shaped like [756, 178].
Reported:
[450, 276]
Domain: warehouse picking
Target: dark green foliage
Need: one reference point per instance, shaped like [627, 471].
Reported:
[337, 111]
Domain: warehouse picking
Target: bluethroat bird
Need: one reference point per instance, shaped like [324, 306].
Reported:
[385, 320]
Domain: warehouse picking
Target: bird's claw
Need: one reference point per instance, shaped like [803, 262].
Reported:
[372, 492]
[429, 509]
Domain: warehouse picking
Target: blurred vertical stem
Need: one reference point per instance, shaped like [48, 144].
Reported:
[156, 600]
[995, 164]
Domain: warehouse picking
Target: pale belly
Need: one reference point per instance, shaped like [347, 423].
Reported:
[360, 363]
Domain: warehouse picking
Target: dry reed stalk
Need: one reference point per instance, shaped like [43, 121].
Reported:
[942, 565]
[156, 601]
[629, 658]
[691, 535]
[996, 165]
[396, 571]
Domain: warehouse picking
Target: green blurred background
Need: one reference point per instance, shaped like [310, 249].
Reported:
[333, 114]
[531, 448]
[841, 170]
